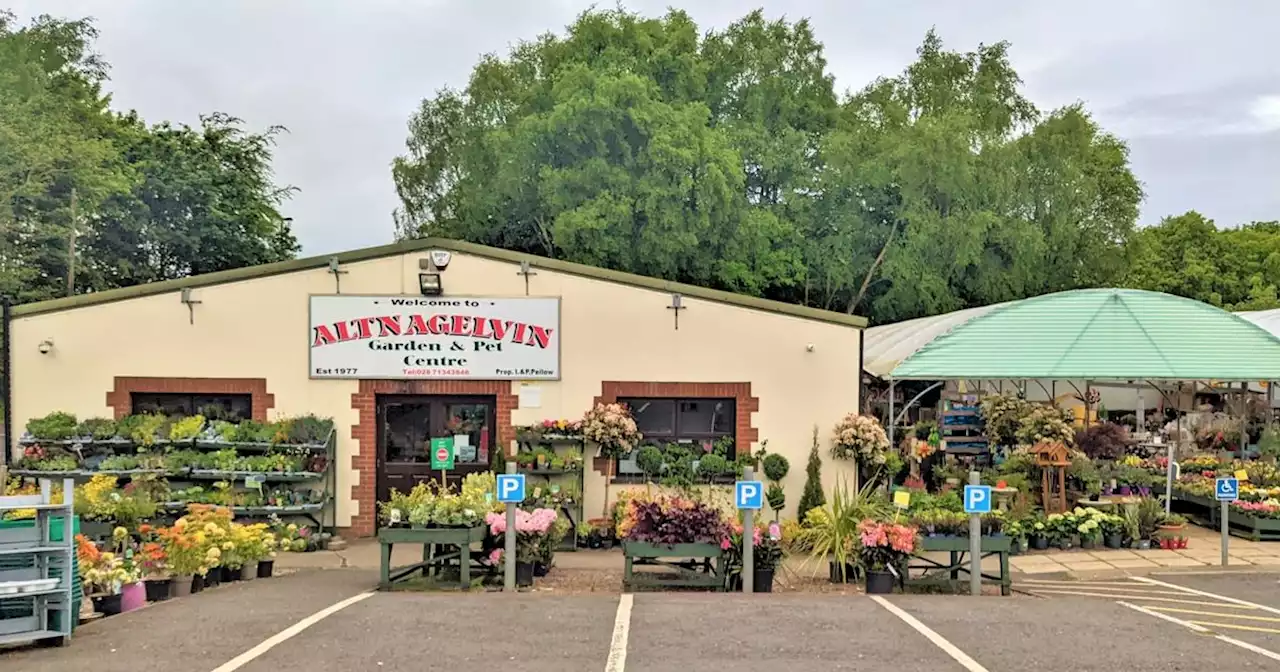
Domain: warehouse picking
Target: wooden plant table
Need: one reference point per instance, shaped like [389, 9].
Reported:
[932, 571]
[442, 547]
[695, 565]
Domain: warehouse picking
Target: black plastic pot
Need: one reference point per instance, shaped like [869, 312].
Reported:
[157, 589]
[213, 578]
[880, 583]
[265, 568]
[1039, 543]
[524, 574]
[540, 569]
[1113, 541]
[197, 584]
[230, 574]
[762, 580]
[107, 605]
[850, 573]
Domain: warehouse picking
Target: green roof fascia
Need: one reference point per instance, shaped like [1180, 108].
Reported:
[422, 244]
[1100, 334]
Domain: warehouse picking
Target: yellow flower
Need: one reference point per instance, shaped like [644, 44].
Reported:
[226, 545]
[199, 537]
[120, 534]
[292, 527]
[213, 553]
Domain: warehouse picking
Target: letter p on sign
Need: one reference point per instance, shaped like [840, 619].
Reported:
[748, 495]
[511, 488]
[977, 499]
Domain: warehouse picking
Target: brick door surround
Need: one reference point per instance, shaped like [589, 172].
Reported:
[365, 432]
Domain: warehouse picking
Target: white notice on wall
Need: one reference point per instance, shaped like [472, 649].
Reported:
[530, 396]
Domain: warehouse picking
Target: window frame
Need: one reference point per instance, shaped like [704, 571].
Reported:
[190, 398]
[677, 434]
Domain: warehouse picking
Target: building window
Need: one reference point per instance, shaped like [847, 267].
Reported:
[229, 407]
[705, 423]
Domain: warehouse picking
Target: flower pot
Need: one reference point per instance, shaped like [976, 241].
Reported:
[1088, 543]
[1040, 543]
[1064, 544]
[762, 580]
[230, 574]
[180, 586]
[266, 568]
[213, 578]
[524, 574]
[1112, 541]
[158, 589]
[1126, 491]
[1022, 545]
[850, 574]
[879, 583]
[107, 605]
[249, 571]
[1171, 529]
[132, 596]
[1143, 544]
[197, 584]
[540, 569]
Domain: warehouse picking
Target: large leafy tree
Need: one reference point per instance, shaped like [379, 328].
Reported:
[728, 160]
[92, 200]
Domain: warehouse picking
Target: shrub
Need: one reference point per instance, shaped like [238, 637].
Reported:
[1103, 441]
[56, 426]
[776, 467]
[812, 497]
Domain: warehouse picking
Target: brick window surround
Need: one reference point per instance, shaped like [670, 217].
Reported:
[744, 430]
[365, 432]
[120, 399]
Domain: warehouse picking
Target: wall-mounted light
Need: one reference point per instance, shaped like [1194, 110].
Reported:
[46, 346]
[335, 267]
[429, 284]
[677, 305]
[190, 303]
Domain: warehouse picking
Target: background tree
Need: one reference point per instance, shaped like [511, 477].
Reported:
[727, 160]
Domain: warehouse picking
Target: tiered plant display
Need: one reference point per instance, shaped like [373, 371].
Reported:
[37, 570]
[961, 427]
[551, 451]
[282, 468]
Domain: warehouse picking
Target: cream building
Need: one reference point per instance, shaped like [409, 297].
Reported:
[511, 340]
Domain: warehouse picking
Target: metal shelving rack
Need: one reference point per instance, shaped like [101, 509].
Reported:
[575, 513]
[52, 611]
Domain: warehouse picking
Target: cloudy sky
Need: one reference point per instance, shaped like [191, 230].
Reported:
[1193, 86]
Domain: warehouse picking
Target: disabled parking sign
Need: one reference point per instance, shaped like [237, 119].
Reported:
[977, 499]
[1227, 489]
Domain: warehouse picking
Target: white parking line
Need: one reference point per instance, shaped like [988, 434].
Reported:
[1203, 630]
[267, 644]
[1202, 593]
[621, 628]
[942, 643]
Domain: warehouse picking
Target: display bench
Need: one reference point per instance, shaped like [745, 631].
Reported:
[932, 572]
[682, 565]
[306, 495]
[442, 548]
[38, 571]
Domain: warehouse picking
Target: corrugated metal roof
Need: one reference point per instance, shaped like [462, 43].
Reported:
[1267, 319]
[887, 345]
[1099, 334]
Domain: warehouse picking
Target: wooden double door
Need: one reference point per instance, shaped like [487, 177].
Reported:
[408, 423]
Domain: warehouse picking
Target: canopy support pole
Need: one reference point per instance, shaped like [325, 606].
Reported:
[891, 422]
[1168, 484]
[903, 413]
[1244, 418]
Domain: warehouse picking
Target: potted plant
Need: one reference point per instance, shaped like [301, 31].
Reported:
[104, 575]
[1172, 523]
[1112, 527]
[1090, 532]
[614, 431]
[531, 530]
[886, 549]
[860, 438]
[766, 553]
[831, 530]
[1039, 533]
[582, 534]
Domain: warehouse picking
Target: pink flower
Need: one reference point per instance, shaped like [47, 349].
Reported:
[725, 544]
[775, 531]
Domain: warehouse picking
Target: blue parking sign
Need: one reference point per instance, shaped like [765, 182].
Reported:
[511, 488]
[748, 495]
[977, 499]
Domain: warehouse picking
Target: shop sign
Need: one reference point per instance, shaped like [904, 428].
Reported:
[413, 337]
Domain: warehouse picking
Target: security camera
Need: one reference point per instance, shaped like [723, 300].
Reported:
[45, 346]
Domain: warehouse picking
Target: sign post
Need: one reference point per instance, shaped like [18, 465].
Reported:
[749, 498]
[977, 501]
[510, 492]
[442, 455]
[1227, 490]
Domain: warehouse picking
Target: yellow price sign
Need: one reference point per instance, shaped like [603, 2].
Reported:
[901, 499]
[1242, 475]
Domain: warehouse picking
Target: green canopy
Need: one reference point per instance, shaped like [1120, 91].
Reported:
[1100, 334]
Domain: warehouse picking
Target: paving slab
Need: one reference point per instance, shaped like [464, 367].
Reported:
[1087, 566]
[1177, 561]
[1135, 563]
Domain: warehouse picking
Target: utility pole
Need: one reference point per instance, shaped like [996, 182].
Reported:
[71, 248]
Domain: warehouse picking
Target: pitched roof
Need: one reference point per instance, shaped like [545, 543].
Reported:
[1099, 334]
[423, 244]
